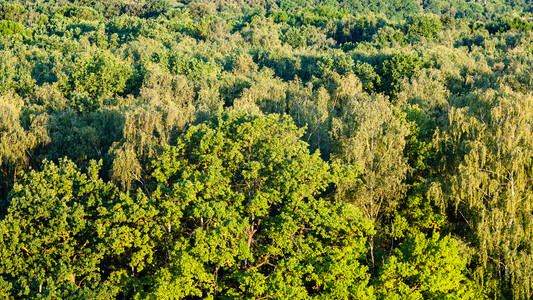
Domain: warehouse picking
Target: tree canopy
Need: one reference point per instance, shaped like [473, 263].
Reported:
[168, 149]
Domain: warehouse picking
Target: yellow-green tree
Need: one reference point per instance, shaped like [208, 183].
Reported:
[371, 134]
[427, 268]
[489, 146]
[99, 75]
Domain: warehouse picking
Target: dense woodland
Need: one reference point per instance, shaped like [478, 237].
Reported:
[286, 149]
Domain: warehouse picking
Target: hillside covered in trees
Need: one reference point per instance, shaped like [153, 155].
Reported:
[266, 149]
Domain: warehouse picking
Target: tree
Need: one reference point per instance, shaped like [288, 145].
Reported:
[242, 201]
[11, 28]
[372, 134]
[423, 25]
[99, 75]
[394, 69]
[154, 8]
[66, 233]
[427, 268]
[146, 129]
[16, 142]
[489, 189]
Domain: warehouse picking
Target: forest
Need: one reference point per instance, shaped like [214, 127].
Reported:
[266, 149]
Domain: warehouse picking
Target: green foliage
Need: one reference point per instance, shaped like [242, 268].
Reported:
[353, 30]
[368, 76]
[397, 67]
[294, 37]
[11, 28]
[340, 63]
[425, 89]
[81, 138]
[78, 13]
[417, 113]
[423, 25]
[427, 268]
[394, 9]
[100, 75]
[372, 134]
[249, 191]
[154, 8]
[16, 142]
[279, 16]
[417, 213]
[11, 12]
[318, 16]
[191, 67]
[504, 24]
[490, 186]
[52, 238]
[15, 75]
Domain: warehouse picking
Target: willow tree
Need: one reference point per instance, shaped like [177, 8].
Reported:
[148, 127]
[16, 141]
[371, 134]
[491, 142]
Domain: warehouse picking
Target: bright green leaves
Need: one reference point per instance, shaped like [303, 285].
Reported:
[423, 25]
[78, 13]
[11, 28]
[373, 134]
[49, 238]
[15, 74]
[191, 67]
[66, 232]
[427, 268]
[238, 206]
[248, 192]
[236, 209]
[395, 68]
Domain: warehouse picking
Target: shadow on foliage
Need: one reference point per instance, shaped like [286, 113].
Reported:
[82, 138]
